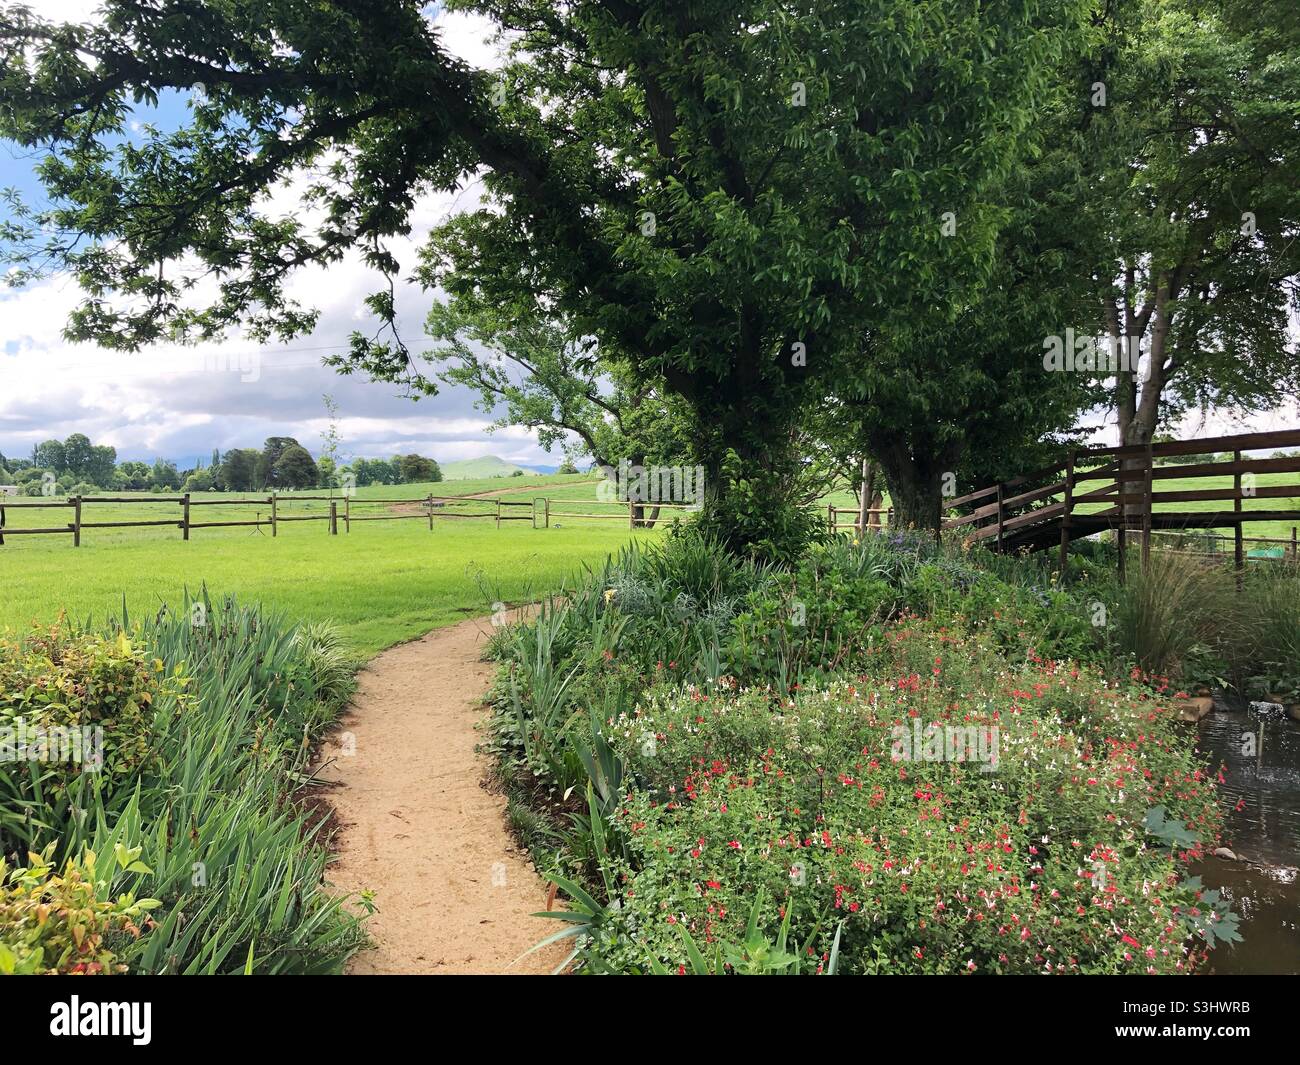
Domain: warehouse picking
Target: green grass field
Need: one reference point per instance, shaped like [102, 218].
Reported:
[382, 583]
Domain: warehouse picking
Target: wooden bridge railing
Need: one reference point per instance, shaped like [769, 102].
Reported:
[1118, 488]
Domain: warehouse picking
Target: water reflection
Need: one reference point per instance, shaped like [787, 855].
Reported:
[1260, 751]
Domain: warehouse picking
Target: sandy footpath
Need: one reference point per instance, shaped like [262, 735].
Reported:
[417, 826]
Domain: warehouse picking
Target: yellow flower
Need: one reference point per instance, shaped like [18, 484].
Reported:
[610, 593]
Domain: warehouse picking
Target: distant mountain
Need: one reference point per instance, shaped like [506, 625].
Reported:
[483, 466]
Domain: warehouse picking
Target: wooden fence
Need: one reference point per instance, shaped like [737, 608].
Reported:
[340, 510]
[1118, 488]
[877, 517]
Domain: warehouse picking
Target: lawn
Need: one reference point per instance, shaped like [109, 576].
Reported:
[383, 583]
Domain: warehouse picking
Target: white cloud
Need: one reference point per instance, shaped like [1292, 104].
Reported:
[69, 10]
[181, 402]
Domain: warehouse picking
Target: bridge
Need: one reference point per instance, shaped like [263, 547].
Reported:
[1095, 489]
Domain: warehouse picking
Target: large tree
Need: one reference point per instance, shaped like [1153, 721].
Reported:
[729, 192]
[1196, 145]
[961, 402]
[526, 366]
[239, 470]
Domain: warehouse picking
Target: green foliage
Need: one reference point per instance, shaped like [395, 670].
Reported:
[292, 467]
[198, 481]
[237, 865]
[1180, 618]
[813, 806]
[78, 714]
[1273, 598]
[748, 794]
[754, 955]
[756, 514]
[735, 213]
[526, 367]
[59, 922]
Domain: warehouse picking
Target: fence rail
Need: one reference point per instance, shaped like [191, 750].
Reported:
[342, 510]
[1027, 514]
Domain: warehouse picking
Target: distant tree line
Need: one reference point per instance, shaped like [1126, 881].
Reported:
[75, 466]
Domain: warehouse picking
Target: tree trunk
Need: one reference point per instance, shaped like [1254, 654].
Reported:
[866, 494]
[915, 467]
[917, 501]
[1137, 397]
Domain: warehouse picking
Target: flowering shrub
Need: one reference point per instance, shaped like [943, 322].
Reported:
[1040, 862]
[55, 678]
[58, 922]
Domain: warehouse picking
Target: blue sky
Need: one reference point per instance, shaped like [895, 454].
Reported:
[171, 402]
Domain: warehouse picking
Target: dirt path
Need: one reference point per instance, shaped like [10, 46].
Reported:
[453, 891]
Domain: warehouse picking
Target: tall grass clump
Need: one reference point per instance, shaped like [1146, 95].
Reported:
[235, 699]
[1181, 618]
[1272, 595]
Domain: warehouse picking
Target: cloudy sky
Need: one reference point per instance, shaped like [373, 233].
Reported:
[181, 402]
[169, 401]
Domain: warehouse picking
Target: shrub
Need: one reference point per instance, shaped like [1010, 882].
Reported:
[78, 712]
[55, 922]
[732, 726]
[237, 864]
[758, 518]
[917, 866]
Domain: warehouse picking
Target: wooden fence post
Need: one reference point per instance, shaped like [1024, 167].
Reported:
[334, 518]
[275, 525]
[185, 516]
[430, 502]
[1293, 543]
[1001, 516]
[830, 517]
[1148, 503]
[76, 522]
[1065, 515]
[347, 513]
[548, 512]
[1238, 546]
[867, 495]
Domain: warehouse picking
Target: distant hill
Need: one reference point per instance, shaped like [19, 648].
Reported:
[483, 466]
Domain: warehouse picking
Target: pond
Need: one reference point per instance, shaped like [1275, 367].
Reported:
[1260, 750]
